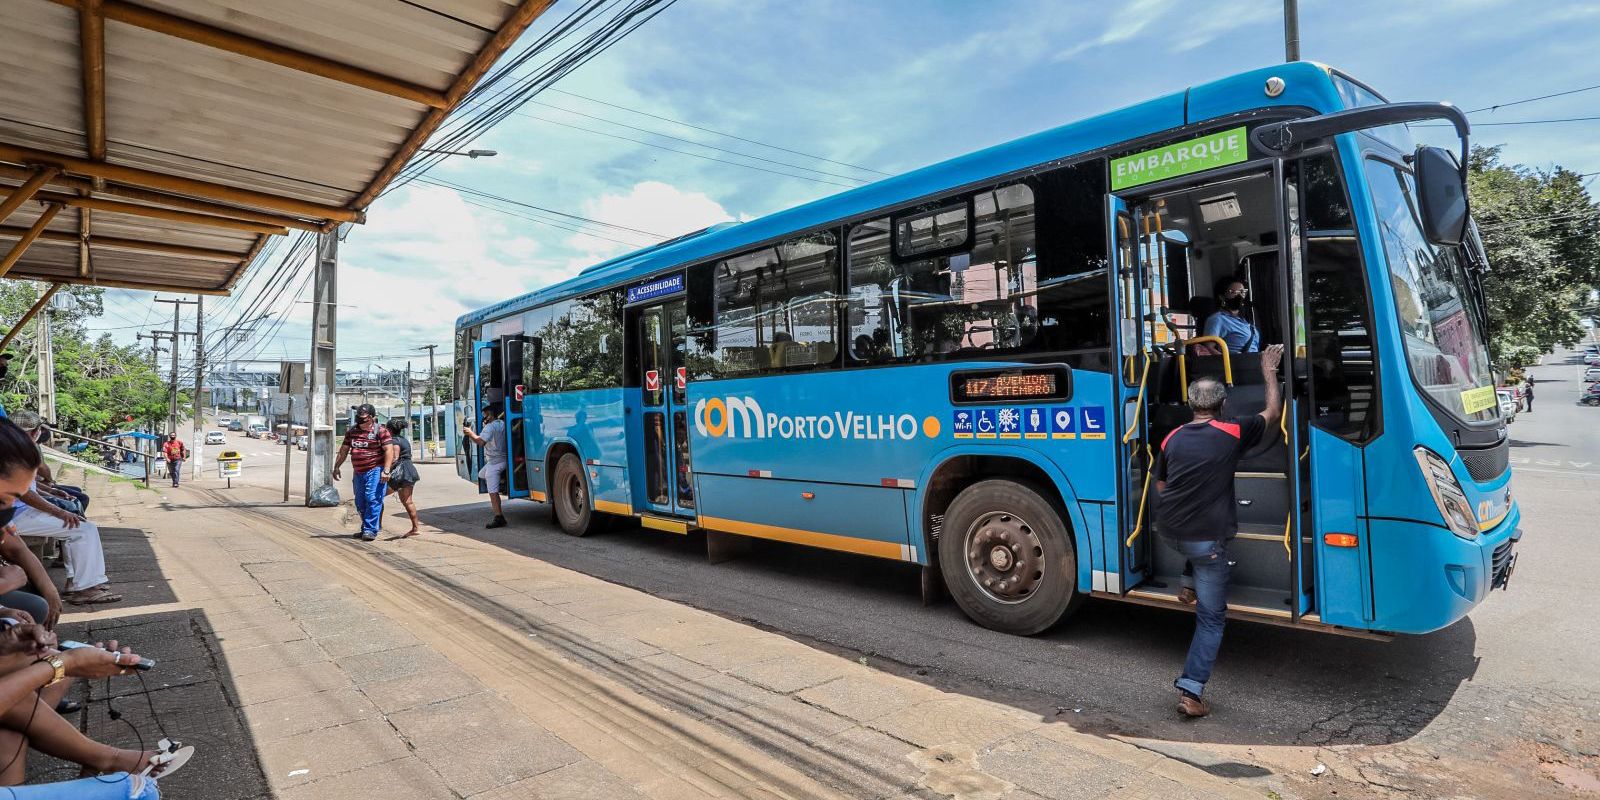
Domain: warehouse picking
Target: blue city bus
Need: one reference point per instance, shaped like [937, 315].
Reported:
[970, 366]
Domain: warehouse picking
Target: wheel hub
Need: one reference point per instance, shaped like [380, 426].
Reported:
[1004, 556]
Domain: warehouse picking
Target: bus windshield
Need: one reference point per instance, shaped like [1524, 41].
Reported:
[1440, 320]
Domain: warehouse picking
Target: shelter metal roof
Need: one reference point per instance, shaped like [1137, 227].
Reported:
[158, 144]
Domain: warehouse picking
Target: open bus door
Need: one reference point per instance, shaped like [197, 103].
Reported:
[661, 424]
[520, 357]
[489, 379]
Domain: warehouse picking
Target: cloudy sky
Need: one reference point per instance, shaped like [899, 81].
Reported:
[862, 88]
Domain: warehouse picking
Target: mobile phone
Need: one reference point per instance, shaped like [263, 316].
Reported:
[143, 664]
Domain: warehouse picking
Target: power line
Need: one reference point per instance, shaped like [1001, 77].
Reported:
[1498, 106]
[716, 132]
[691, 142]
[696, 155]
[437, 181]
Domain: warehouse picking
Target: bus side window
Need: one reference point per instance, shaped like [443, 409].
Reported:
[773, 309]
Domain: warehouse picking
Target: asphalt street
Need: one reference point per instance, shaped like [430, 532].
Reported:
[1504, 698]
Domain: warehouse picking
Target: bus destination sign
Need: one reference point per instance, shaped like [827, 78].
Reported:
[1027, 384]
[654, 288]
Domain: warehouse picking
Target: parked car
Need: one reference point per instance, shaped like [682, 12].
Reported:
[1591, 375]
[1592, 359]
[300, 442]
[216, 437]
[1508, 404]
[1591, 395]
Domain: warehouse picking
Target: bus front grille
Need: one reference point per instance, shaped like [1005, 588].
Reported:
[1502, 561]
[1488, 463]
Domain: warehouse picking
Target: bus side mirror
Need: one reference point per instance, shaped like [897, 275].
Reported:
[1441, 196]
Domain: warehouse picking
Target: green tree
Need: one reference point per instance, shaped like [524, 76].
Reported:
[1542, 233]
[98, 383]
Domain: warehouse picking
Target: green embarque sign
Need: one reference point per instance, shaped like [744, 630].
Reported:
[1195, 155]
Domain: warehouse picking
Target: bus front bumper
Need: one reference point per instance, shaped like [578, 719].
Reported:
[1426, 578]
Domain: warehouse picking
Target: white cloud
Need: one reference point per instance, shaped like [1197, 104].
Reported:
[659, 208]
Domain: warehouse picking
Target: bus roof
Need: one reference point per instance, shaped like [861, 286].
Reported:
[1307, 85]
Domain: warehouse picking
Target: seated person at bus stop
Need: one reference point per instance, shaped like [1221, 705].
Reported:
[493, 441]
[1229, 322]
[1196, 513]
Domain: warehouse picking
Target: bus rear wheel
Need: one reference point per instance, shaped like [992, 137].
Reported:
[569, 495]
[1008, 558]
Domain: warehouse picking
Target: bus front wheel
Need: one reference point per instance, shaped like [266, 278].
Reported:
[1008, 558]
[569, 494]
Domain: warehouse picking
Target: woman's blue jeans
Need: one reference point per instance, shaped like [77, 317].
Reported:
[116, 786]
[1210, 562]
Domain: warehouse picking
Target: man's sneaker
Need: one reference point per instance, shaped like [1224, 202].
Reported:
[369, 537]
[497, 522]
[358, 535]
[1192, 706]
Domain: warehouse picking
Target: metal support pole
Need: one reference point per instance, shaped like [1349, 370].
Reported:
[47, 369]
[320, 374]
[172, 415]
[198, 450]
[1291, 30]
[408, 398]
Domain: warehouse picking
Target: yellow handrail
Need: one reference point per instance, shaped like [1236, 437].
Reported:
[1183, 365]
[1144, 494]
[1288, 519]
[1127, 436]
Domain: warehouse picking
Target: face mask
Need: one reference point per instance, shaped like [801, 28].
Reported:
[1233, 303]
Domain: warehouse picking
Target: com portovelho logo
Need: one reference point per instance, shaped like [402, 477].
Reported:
[743, 418]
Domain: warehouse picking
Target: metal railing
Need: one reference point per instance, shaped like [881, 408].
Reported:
[101, 443]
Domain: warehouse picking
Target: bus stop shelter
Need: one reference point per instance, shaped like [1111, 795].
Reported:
[159, 144]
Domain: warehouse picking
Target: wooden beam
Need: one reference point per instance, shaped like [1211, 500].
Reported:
[141, 286]
[221, 39]
[26, 239]
[85, 228]
[136, 210]
[502, 40]
[26, 318]
[166, 199]
[147, 179]
[244, 263]
[92, 57]
[134, 245]
[40, 177]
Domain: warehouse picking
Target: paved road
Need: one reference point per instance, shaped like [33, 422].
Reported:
[1504, 702]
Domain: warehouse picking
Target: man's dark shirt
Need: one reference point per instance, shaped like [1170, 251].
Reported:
[1197, 463]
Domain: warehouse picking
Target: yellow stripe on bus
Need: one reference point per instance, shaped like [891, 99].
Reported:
[849, 544]
[536, 495]
[611, 507]
[668, 525]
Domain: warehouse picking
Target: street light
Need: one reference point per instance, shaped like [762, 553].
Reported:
[468, 154]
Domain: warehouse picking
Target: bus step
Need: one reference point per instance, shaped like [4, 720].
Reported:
[668, 524]
[1242, 599]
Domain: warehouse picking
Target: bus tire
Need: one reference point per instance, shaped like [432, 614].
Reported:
[1008, 558]
[569, 497]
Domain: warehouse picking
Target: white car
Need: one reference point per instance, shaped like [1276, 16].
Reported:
[215, 437]
[1591, 375]
[1508, 404]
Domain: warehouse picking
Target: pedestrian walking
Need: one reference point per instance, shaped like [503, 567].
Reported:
[174, 452]
[493, 441]
[366, 444]
[403, 474]
[1529, 395]
[1197, 515]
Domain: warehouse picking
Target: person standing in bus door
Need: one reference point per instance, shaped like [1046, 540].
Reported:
[493, 441]
[1229, 322]
[366, 444]
[1197, 514]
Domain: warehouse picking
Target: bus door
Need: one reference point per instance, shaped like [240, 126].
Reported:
[489, 377]
[662, 424]
[520, 357]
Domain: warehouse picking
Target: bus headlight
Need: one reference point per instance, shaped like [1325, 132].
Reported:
[1447, 494]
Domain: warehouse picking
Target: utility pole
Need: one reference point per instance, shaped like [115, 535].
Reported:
[408, 395]
[433, 399]
[321, 371]
[47, 368]
[177, 306]
[1291, 30]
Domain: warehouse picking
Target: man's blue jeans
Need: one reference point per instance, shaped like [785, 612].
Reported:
[369, 500]
[1210, 562]
[175, 469]
[116, 786]
[78, 494]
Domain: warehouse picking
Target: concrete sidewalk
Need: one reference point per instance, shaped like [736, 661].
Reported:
[308, 665]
